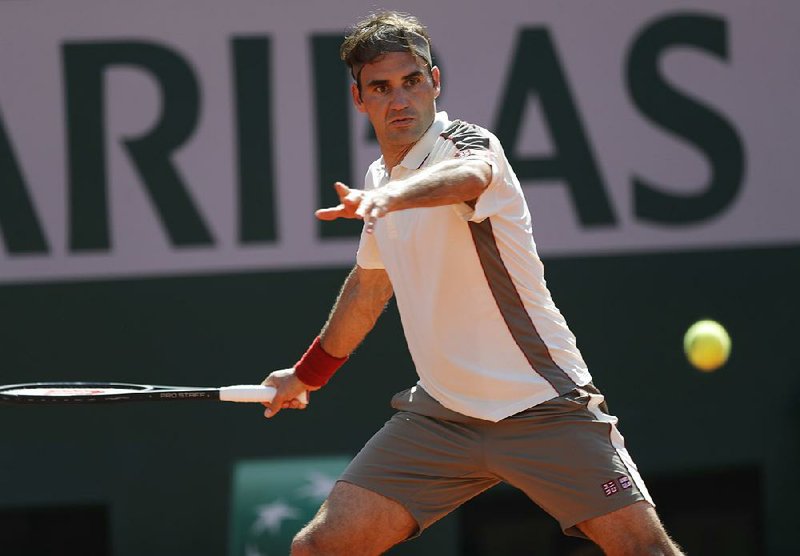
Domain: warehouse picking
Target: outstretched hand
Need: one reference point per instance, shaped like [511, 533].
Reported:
[349, 201]
[356, 203]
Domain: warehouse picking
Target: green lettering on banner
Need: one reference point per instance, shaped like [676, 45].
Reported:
[685, 117]
[84, 68]
[536, 70]
[332, 116]
[19, 224]
[257, 216]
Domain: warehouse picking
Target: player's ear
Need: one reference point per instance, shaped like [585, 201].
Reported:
[359, 104]
[436, 78]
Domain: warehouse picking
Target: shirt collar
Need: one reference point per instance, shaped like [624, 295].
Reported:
[419, 152]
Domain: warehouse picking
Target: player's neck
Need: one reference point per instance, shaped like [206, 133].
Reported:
[393, 156]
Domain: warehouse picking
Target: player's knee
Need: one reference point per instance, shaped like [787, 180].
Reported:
[316, 539]
[299, 548]
[305, 544]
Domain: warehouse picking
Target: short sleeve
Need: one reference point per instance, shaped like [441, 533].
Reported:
[498, 193]
[368, 255]
[465, 141]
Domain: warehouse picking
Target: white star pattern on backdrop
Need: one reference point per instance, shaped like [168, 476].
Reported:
[251, 550]
[319, 486]
[271, 516]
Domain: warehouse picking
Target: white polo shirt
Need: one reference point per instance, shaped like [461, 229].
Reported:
[486, 339]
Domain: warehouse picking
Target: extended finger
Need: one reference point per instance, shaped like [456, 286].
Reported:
[364, 208]
[331, 213]
[341, 189]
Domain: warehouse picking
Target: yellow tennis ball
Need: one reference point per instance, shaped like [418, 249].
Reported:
[707, 345]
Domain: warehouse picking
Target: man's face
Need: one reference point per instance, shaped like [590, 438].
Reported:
[398, 94]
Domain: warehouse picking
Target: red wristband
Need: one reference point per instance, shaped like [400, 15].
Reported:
[317, 366]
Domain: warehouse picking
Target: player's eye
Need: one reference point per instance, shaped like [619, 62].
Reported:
[381, 89]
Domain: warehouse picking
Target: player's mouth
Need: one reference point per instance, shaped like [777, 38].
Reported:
[405, 121]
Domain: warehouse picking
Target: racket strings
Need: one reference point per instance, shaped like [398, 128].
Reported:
[46, 392]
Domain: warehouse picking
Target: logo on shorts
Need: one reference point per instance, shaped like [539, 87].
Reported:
[615, 485]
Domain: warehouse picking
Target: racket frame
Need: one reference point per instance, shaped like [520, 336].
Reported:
[246, 393]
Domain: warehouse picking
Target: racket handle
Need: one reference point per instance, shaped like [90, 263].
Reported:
[251, 393]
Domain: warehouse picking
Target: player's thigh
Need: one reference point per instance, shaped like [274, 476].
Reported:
[569, 458]
[355, 520]
[429, 466]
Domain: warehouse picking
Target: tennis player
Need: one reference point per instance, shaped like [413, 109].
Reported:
[503, 392]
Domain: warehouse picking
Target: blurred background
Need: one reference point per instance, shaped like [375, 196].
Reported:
[160, 163]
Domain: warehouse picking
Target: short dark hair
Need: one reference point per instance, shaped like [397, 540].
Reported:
[384, 32]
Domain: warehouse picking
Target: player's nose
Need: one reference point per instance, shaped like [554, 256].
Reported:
[399, 99]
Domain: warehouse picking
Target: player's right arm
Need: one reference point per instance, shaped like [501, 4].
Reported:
[362, 299]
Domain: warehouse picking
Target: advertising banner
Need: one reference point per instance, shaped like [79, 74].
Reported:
[156, 138]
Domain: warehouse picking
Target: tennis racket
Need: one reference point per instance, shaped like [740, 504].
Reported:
[107, 392]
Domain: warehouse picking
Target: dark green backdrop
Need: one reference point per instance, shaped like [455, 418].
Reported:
[163, 470]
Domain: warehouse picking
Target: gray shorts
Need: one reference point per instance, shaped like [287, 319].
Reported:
[565, 454]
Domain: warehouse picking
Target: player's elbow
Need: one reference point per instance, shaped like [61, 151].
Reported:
[478, 177]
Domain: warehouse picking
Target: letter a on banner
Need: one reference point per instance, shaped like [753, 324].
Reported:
[536, 69]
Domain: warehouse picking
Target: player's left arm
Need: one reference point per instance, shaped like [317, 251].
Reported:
[445, 183]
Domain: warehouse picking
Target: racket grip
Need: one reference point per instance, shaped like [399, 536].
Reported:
[251, 393]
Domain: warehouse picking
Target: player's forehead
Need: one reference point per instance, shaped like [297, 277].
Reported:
[392, 66]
